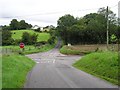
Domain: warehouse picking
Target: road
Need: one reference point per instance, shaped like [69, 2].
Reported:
[54, 70]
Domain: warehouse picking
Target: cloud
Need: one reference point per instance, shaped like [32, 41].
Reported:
[48, 11]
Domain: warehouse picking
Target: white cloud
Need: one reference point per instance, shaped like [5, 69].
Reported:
[9, 9]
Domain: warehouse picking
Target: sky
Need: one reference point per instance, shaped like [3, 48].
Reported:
[47, 12]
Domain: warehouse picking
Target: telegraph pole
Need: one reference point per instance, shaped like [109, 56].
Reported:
[107, 27]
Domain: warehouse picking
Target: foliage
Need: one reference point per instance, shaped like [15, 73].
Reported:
[52, 38]
[29, 39]
[6, 37]
[90, 29]
[113, 38]
[64, 23]
[5, 27]
[29, 49]
[16, 25]
[101, 64]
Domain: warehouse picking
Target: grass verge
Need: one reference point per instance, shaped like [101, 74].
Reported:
[29, 49]
[67, 50]
[14, 70]
[101, 64]
[72, 50]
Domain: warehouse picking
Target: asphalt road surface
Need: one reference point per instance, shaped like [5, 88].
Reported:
[54, 70]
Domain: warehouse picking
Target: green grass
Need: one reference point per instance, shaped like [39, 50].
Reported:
[67, 50]
[17, 34]
[101, 64]
[72, 50]
[14, 70]
[29, 49]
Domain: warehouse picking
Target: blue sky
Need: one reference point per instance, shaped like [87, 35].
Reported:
[47, 12]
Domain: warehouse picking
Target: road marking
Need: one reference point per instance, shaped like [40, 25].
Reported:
[54, 61]
[37, 62]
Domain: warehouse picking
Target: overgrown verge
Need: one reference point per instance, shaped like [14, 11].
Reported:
[75, 51]
[28, 49]
[14, 70]
[101, 64]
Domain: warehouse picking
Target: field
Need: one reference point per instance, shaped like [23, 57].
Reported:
[17, 34]
[101, 64]
[85, 49]
[14, 70]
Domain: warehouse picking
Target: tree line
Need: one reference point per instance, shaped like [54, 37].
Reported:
[27, 38]
[90, 29]
[17, 25]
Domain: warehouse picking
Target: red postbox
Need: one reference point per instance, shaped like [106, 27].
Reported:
[22, 45]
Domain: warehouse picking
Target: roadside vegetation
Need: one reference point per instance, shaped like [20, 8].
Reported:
[14, 70]
[101, 64]
[15, 65]
[86, 49]
[28, 49]
[86, 35]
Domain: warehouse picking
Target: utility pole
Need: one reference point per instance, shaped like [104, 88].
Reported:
[107, 27]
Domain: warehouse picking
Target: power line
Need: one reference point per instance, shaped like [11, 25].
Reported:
[51, 13]
[48, 13]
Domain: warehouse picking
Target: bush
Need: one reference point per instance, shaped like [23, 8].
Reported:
[29, 39]
[7, 37]
[51, 40]
[17, 41]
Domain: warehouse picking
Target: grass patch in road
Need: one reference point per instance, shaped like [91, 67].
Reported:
[14, 70]
[73, 50]
[101, 64]
[67, 50]
[17, 34]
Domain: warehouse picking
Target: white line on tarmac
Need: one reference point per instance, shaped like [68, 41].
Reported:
[37, 62]
[54, 61]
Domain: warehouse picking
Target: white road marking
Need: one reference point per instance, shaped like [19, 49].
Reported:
[37, 62]
[54, 61]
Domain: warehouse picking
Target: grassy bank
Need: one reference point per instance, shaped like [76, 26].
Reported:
[17, 34]
[74, 50]
[14, 70]
[86, 49]
[67, 50]
[101, 64]
[28, 49]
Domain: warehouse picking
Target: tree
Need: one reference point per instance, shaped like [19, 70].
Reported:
[33, 38]
[6, 37]
[29, 39]
[23, 24]
[14, 25]
[26, 38]
[64, 23]
[5, 27]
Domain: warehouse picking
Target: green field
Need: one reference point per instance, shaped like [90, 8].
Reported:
[101, 64]
[17, 34]
[14, 70]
